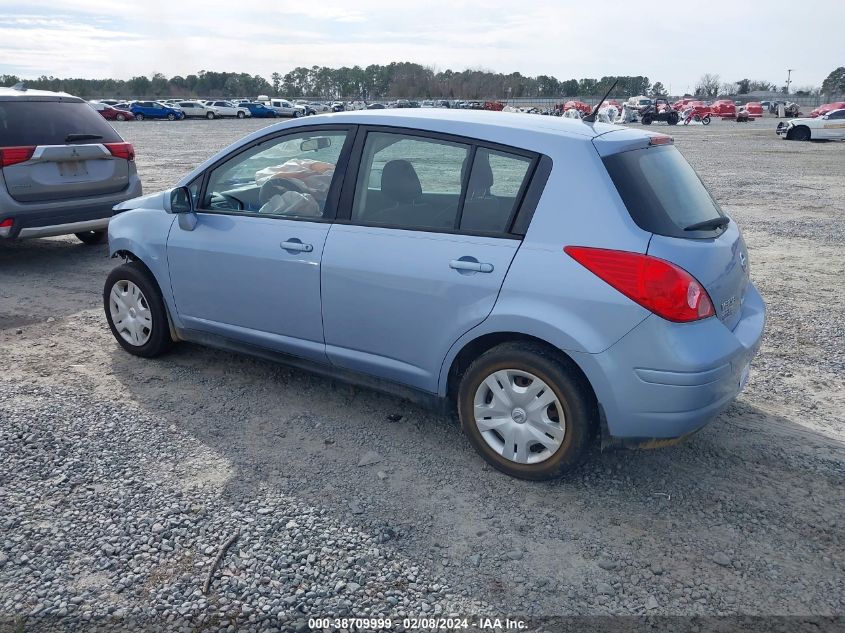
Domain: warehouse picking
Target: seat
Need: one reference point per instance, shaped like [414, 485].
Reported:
[400, 185]
[482, 210]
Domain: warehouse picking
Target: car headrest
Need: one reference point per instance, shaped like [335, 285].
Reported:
[481, 178]
[399, 181]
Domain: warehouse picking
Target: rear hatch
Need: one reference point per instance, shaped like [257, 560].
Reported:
[665, 196]
[59, 148]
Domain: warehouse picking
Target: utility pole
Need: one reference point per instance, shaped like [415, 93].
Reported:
[788, 78]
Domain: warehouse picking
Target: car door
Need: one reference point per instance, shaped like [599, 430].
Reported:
[834, 125]
[249, 270]
[419, 251]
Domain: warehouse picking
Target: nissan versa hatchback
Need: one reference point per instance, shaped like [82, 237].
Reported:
[62, 167]
[552, 280]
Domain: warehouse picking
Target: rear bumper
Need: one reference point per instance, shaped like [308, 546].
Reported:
[63, 217]
[667, 380]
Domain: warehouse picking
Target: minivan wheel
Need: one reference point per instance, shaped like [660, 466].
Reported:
[171, 117]
[210, 115]
[135, 311]
[91, 237]
[240, 115]
[525, 411]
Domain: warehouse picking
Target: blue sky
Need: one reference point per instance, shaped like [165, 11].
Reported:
[754, 38]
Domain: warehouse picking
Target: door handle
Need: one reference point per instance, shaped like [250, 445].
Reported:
[296, 245]
[471, 265]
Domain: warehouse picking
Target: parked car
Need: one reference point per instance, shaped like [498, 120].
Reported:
[827, 107]
[260, 111]
[62, 167]
[319, 107]
[196, 110]
[154, 110]
[375, 106]
[283, 107]
[723, 108]
[338, 106]
[309, 109]
[754, 108]
[110, 113]
[111, 102]
[827, 126]
[616, 304]
[639, 102]
[229, 109]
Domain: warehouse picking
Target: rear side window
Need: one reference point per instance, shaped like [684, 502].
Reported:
[662, 192]
[50, 123]
[493, 190]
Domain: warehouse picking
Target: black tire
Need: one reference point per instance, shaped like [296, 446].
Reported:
[171, 117]
[120, 117]
[673, 118]
[570, 388]
[209, 116]
[91, 238]
[801, 133]
[296, 114]
[240, 114]
[706, 120]
[139, 117]
[159, 340]
[647, 120]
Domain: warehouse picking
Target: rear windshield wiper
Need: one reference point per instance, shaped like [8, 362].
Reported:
[70, 138]
[709, 225]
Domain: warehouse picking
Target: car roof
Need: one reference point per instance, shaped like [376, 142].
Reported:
[471, 123]
[14, 94]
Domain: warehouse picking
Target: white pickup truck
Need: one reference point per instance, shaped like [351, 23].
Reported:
[283, 107]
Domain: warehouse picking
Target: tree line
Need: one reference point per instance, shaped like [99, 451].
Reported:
[396, 80]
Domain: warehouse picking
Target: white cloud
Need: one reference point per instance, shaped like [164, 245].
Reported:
[565, 39]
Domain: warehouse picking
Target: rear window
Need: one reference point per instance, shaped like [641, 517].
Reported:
[50, 122]
[662, 192]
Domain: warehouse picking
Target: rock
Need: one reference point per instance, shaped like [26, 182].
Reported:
[19, 331]
[369, 458]
[157, 528]
[604, 588]
[652, 603]
[51, 319]
[607, 564]
[515, 554]
[356, 508]
[720, 558]
[475, 559]
[381, 475]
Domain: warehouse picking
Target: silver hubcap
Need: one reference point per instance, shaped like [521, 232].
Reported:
[130, 313]
[519, 416]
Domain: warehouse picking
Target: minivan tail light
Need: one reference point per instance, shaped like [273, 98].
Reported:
[14, 155]
[121, 150]
[657, 285]
[6, 226]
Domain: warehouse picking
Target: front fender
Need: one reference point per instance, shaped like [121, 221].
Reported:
[142, 234]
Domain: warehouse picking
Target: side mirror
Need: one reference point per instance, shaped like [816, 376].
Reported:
[826, 116]
[314, 144]
[181, 200]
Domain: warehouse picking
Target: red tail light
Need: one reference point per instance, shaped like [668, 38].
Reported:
[657, 285]
[121, 150]
[7, 223]
[14, 155]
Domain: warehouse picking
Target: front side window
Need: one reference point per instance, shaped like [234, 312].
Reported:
[409, 182]
[287, 176]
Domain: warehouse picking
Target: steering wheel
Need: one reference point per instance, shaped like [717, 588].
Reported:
[278, 186]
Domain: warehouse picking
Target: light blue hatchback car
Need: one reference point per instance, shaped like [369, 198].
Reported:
[550, 279]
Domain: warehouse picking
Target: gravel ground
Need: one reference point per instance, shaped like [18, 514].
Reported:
[121, 479]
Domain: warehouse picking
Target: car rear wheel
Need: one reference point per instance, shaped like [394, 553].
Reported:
[171, 117]
[647, 120]
[801, 133]
[139, 117]
[296, 114]
[527, 413]
[135, 311]
[120, 117]
[673, 118]
[240, 115]
[91, 237]
[210, 115]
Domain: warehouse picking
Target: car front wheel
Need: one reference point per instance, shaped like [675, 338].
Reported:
[139, 117]
[171, 117]
[240, 115]
[135, 311]
[120, 117]
[800, 133]
[527, 412]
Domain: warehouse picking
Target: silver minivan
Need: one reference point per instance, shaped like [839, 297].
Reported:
[62, 167]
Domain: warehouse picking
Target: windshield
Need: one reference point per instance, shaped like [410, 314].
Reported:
[662, 192]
